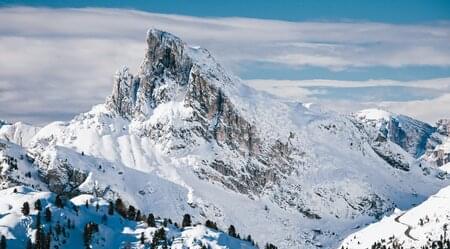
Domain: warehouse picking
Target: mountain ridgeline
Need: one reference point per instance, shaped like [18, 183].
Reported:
[183, 136]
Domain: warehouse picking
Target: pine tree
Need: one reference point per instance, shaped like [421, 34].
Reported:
[26, 208]
[120, 208]
[186, 221]
[151, 220]
[38, 220]
[48, 240]
[111, 208]
[48, 214]
[232, 231]
[211, 224]
[40, 242]
[59, 202]
[142, 239]
[160, 235]
[138, 216]
[3, 242]
[89, 229]
[131, 214]
[270, 246]
[38, 205]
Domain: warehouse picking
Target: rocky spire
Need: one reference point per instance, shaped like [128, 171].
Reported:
[165, 62]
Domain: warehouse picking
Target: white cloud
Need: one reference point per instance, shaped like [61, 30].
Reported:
[429, 110]
[57, 62]
[437, 83]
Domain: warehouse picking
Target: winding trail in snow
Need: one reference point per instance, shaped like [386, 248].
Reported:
[408, 229]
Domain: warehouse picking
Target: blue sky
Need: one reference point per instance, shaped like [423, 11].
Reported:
[398, 11]
[60, 55]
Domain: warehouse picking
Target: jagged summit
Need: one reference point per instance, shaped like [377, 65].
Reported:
[170, 71]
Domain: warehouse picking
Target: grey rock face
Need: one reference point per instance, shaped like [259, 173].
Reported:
[443, 127]
[168, 73]
[439, 152]
[58, 173]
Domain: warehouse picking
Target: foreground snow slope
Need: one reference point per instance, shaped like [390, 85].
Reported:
[414, 228]
[114, 231]
[184, 136]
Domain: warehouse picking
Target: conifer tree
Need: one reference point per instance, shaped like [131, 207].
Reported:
[111, 208]
[26, 208]
[211, 224]
[59, 202]
[151, 220]
[186, 221]
[142, 238]
[232, 231]
[160, 235]
[38, 220]
[48, 214]
[131, 214]
[120, 208]
[138, 215]
[38, 205]
[3, 242]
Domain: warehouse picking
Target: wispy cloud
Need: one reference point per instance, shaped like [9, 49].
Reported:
[57, 61]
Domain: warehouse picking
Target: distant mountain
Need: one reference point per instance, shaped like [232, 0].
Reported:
[182, 135]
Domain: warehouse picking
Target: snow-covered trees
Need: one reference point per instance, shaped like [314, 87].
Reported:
[159, 238]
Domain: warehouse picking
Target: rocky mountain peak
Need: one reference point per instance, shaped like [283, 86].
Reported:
[170, 71]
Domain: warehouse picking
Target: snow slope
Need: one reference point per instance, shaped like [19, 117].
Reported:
[114, 230]
[19, 133]
[413, 228]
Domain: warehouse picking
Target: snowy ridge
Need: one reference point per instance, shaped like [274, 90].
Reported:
[19, 133]
[412, 135]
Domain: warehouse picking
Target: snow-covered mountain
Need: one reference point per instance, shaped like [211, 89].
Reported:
[182, 135]
[19, 133]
